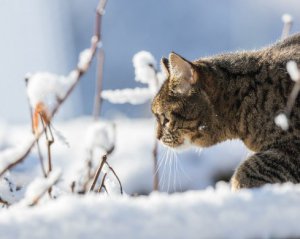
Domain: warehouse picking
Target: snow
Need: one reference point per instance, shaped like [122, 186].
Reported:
[270, 212]
[287, 18]
[132, 96]
[48, 88]
[39, 186]
[85, 58]
[13, 154]
[293, 71]
[282, 121]
[145, 72]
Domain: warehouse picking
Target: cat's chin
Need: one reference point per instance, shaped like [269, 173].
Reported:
[180, 147]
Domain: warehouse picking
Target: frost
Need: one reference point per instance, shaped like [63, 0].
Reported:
[40, 185]
[132, 96]
[287, 18]
[293, 70]
[12, 155]
[85, 58]
[282, 121]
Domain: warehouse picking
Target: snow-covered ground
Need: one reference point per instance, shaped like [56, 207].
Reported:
[197, 209]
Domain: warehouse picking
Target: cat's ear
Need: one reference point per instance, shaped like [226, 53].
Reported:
[164, 65]
[182, 73]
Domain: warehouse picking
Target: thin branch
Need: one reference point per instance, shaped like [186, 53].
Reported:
[100, 58]
[113, 171]
[292, 98]
[81, 72]
[98, 88]
[102, 183]
[99, 169]
[155, 168]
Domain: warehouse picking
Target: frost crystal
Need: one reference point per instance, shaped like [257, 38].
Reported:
[287, 18]
[293, 71]
[282, 121]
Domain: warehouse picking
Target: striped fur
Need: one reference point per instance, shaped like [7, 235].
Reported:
[236, 95]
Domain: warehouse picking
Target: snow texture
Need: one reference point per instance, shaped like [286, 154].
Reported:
[282, 121]
[269, 212]
[13, 154]
[132, 96]
[293, 70]
[287, 18]
[48, 88]
[145, 66]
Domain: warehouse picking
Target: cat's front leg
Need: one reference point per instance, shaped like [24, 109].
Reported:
[271, 166]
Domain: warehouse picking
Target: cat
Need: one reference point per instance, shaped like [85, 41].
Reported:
[234, 96]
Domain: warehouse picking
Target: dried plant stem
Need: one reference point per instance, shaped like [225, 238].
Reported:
[102, 183]
[155, 168]
[98, 171]
[41, 158]
[100, 58]
[286, 29]
[292, 98]
[4, 202]
[113, 171]
[98, 89]
[81, 72]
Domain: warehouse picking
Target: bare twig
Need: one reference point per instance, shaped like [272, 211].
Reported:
[99, 169]
[155, 168]
[292, 98]
[113, 171]
[100, 58]
[80, 73]
[4, 202]
[102, 183]
[73, 186]
[98, 88]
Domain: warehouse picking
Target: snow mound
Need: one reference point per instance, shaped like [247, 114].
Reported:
[269, 212]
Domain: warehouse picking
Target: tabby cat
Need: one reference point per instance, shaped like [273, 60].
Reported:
[235, 96]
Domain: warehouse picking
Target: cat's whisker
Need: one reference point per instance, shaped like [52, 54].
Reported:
[170, 171]
[161, 159]
[164, 169]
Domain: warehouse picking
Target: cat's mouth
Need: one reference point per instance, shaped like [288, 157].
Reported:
[179, 143]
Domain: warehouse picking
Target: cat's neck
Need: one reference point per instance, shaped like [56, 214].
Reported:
[227, 78]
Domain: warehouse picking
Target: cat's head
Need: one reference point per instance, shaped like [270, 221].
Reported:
[182, 107]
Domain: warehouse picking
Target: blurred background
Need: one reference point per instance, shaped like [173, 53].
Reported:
[48, 36]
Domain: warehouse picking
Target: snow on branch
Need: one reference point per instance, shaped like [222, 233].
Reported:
[287, 20]
[10, 157]
[145, 72]
[49, 99]
[40, 186]
[282, 120]
[134, 96]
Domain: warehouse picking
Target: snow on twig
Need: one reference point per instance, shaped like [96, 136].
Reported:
[146, 73]
[281, 120]
[287, 20]
[74, 77]
[40, 186]
[10, 157]
[134, 96]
